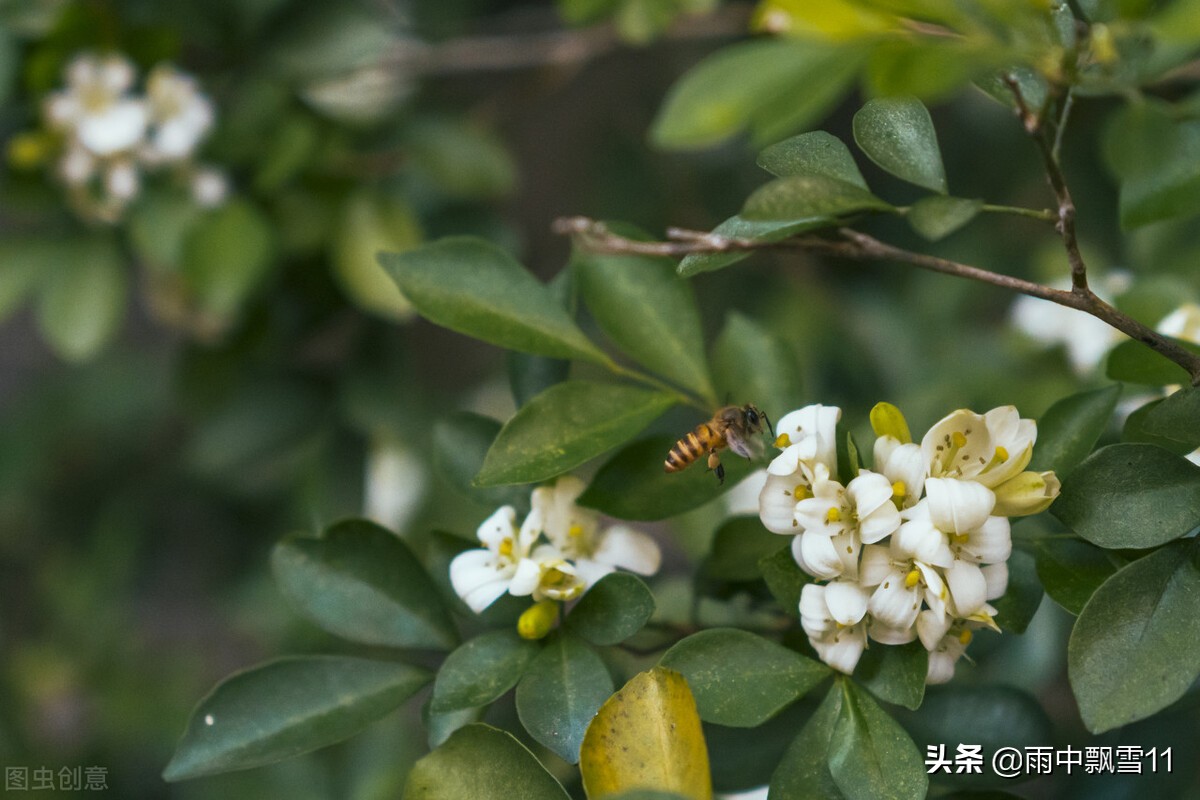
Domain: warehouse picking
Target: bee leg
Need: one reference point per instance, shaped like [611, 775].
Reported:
[714, 463]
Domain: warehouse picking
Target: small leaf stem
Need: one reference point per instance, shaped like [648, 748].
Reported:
[682, 398]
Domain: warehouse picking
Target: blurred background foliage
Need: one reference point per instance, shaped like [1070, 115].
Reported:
[183, 388]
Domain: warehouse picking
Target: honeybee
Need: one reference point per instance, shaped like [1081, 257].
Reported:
[732, 427]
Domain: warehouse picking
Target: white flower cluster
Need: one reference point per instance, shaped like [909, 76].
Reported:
[914, 547]
[111, 135]
[556, 554]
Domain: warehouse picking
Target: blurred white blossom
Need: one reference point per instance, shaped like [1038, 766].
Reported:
[1085, 338]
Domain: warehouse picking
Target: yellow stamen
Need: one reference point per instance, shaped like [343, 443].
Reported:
[554, 577]
[959, 440]
[801, 491]
[899, 490]
[959, 538]
[1001, 455]
[834, 514]
[575, 531]
[506, 547]
[783, 440]
[965, 637]
[537, 620]
[912, 578]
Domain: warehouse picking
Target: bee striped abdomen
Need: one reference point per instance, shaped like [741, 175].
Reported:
[689, 448]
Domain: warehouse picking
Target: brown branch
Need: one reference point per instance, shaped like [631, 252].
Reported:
[856, 246]
[555, 48]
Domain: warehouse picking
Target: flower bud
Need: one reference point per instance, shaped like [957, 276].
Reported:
[887, 420]
[1026, 493]
[537, 620]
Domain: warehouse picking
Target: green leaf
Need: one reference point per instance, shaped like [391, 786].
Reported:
[1134, 362]
[1176, 418]
[1020, 601]
[1072, 570]
[566, 425]
[288, 707]
[481, 670]
[1157, 162]
[814, 153]
[227, 255]
[897, 134]
[83, 299]
[27, 260]
[755, 230]
[461, 160]
[740, 679]
[482, 763]
[372, 221]
[562, 690]
[440, 727]
[530, 375]
[870, 755]
[771, 87]
[472, 286]
[634, 485]
[649, 312]
[1130, 495]
[1135, 430]
[754, 365]
[938, 216]
[617, 607]
[785, 579]
[802, 196]
[895, 673]
[361, 582]
[914, 66]
[738, 547]
[1069, 430]
[1135, 648]
[460, 443]
[803, 772]
[159, 225]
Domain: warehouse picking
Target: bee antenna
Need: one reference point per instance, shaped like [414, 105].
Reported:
[767, 420]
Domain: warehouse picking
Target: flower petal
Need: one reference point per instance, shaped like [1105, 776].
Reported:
[991, 543]
[958, 506]
[818, 556]
[777, 505]
[628, 549]
[501, 525]
[932, 628]
[996, 577]
[968, 587]
[894, 603]
[845, 649]
[847, 601]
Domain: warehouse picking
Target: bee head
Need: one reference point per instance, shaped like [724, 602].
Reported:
[754, 418]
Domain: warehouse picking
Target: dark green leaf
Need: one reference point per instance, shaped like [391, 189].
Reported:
[756, 230]
[530, 375]
[566, 425]
[814, 153]
[1135, 648]
[1024, 594]
[1177, 418]
[912, 66]
[159, 225]
[803, 773]
[227, 255]
[1135, 430]
[1069, 430]
[740, 679]
[771, 87]
[870, 755]
[83, 299]
[361, 582]
[738, 547]
[617, 607]
[649, 312]
[937, 216]
[472, 286]
[1130, 495]
[785, 579]
[897, 134]
[989, 716]
[895, 673]
[633, 484]
[461, 160]
[1072, 570]
[288, 707]
[1134, 362]
[460, 443]
[753, 365]
[562, 690]
[439, 727]
[799, 197]
[481, 763]
[481, 670]
[1157, 161]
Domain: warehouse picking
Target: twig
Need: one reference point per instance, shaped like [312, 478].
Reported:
[550, 48]
[858, 246]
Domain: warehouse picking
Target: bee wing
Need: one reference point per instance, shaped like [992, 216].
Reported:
[740, 445]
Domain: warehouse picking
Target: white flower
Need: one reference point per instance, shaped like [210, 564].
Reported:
[1085, 338]
[836, 521]
[121, 180]
[989, 448]
[547, 575]
[394, 483]
[94, 109]
[180, 115]
[576, 532]
[906, 572]
[481, 576]
[815, 422]
[904, 465]
[209, 187]
[1182, 323]
[834, 621]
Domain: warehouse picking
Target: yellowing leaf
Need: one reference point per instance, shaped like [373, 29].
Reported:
[647, 736]
[835, 20]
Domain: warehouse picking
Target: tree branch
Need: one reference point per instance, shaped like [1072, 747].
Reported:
[856, 246]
